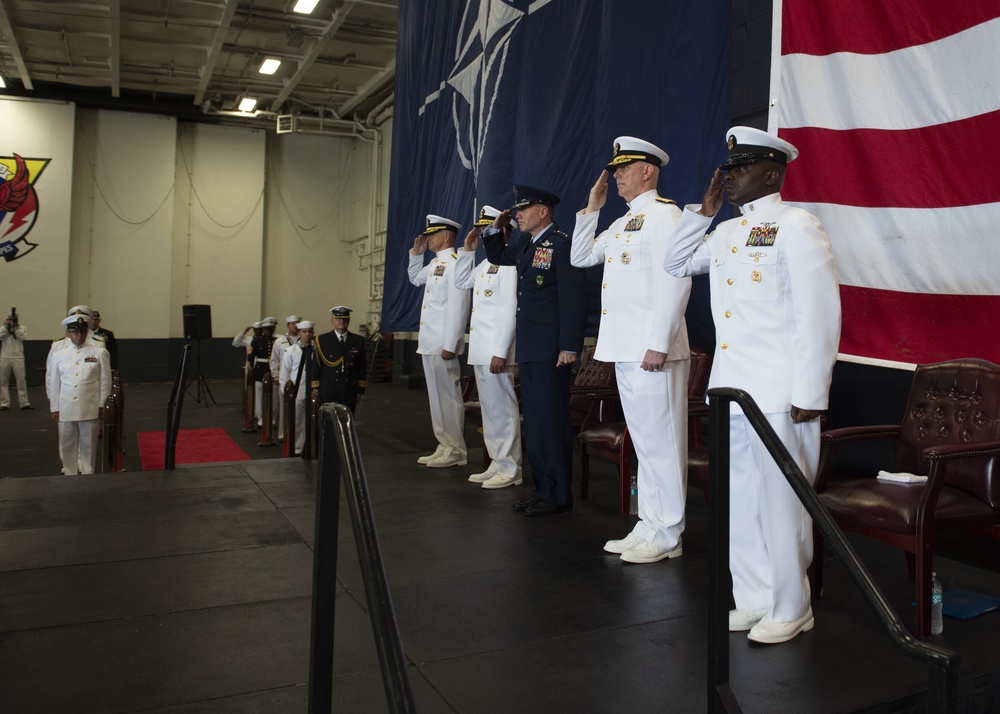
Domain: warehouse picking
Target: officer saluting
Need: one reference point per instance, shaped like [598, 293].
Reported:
[551, 315]
[340, 361]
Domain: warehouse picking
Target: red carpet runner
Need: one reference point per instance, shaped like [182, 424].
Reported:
[194, 446]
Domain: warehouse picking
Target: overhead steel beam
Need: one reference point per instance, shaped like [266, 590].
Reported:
[115, 12]
[8, 32]
[370, 87]
[213, 55]
[317, 49]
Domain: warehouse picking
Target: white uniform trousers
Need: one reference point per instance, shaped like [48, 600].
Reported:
[258, 406]
[78, 445]
[15, 366]
[655, 406]
[444, 394]
[300, 425]
[770, 533]
[501, 419]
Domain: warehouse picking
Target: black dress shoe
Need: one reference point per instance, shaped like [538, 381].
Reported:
[27, 406]
[544, 508]
[525, 505]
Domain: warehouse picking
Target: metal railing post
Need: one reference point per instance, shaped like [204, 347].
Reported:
[174, 407]
[340, 454]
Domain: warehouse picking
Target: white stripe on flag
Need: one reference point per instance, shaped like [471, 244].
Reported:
[954, 78]
[913, 250]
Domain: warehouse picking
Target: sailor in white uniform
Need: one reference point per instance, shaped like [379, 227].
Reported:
[776, 305]
[79, 384]
[291, 358]
[491, 354]
[643, 332]
[443, 316]
[92, 340]
[281, 344]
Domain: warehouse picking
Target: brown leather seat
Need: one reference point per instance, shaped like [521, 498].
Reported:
[950, 433]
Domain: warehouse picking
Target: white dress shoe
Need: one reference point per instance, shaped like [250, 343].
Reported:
[771, 633]
[485, 475]
[620, 546]
[439, 451]
[447, 459]
[741, 620]
[646, 552]
[502, 481]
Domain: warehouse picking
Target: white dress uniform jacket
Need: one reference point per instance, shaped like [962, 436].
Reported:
[494, 307]
[57, 345]
[79, 382]
[278, 349]
[445, 309]
[290, 370]
[634, 291]
[775, 300]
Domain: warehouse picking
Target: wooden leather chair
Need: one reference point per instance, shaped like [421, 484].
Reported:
[609, 438]
[950, 433]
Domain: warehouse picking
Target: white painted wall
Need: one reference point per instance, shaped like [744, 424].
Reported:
[160, 213]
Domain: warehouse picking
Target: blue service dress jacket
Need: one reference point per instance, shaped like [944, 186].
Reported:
[551, 293]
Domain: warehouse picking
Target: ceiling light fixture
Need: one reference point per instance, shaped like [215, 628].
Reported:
[304, 7]
[269, 65]
[248, 104]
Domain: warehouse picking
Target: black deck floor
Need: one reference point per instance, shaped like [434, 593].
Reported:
[189, 591]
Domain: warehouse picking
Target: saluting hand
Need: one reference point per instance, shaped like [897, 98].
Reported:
[419, 245]
[502, 221]
[471, 241]
[712, 201]
[598, 193]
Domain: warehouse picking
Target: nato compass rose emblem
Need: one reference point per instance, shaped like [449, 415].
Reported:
[480, 57]
[18, 204]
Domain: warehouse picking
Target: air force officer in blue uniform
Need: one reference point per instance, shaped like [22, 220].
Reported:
[551, 315]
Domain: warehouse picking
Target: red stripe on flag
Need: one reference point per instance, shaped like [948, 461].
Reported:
[869, 27]
[944, 165]
[917, 327]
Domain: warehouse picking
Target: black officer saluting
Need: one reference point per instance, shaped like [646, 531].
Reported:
[340, 361]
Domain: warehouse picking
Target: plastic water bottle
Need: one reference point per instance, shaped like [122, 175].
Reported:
[937, 602]
[633, 495]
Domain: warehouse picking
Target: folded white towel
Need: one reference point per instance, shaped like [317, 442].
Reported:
[901, 477]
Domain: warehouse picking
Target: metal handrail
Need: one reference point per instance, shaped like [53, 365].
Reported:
[943, 664]
[174, 406]
[339, 451]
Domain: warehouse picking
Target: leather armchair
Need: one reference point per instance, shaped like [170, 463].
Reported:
[950, 432]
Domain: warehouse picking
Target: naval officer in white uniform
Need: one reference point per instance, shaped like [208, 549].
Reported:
[291, 358]
[79, 384]
[491, 354]
[643, 332]
[278, 349]
[92, 340]
[443, 316]
[776, 305]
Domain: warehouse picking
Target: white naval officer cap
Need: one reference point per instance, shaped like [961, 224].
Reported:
[628, 149]
[341, 311]
[257, 325]
[486, 216]
[80, 310]
[76, 323]
[269, 322]
[293, 318]
[748, 146]
[305, 325]
[439, 223]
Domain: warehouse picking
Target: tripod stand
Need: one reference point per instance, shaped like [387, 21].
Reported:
[202, 390]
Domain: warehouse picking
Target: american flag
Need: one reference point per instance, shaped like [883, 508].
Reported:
[895, 107]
